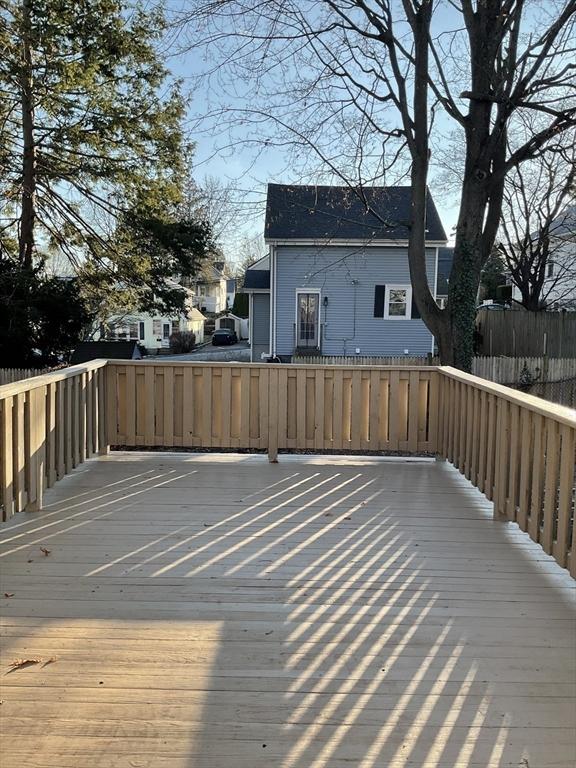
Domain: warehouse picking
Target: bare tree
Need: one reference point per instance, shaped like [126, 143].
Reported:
[212, 200]
[371, 87]
[538, 228]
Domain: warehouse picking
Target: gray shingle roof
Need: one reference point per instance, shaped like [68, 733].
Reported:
[257, 279]
[318, 212]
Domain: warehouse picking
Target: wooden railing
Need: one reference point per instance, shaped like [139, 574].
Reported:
[48, 425]
[519, 450]
[273, 407]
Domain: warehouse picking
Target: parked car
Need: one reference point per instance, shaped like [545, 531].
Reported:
[224, 336]
[492, 306]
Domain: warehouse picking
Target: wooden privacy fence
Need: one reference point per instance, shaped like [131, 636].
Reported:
[519, 450]
[273, 407]
[550, 377]
[48, 425]
[508, 370]
[515, 333]
[9, 375]
[398, 360]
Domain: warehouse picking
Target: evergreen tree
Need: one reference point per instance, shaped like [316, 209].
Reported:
[91, 146]
[493, 277]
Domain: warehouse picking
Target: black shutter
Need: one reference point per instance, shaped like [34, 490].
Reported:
[415, 314]
[379, 296]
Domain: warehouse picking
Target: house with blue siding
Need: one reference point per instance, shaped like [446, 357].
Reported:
[336, 280]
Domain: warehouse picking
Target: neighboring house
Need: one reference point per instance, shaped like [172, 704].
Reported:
[559, 289]
[154, 331]
[561, 273]
[211, 289]
[105, 350]
[337, 280]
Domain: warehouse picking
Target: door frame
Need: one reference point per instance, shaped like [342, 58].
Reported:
[298, 292]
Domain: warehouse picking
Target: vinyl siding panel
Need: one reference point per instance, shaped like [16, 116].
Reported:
[260, 325]
[348, 276]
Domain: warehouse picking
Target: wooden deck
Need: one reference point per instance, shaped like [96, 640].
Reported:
[200, 611]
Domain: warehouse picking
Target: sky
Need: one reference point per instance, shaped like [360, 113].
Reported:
[248, 165]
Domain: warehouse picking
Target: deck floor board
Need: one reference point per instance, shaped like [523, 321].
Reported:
[202, 611]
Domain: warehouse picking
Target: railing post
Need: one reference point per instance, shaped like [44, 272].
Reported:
[501, 460]
[36, 446]
[7, 495]
[440, 448]
[109, 403]
[273, 415]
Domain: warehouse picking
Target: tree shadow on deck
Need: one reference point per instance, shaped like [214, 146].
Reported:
[232, 613]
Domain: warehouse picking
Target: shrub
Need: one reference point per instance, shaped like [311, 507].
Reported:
[182, 341]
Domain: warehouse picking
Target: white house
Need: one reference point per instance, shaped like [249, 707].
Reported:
[559, 289]
[153, 331]
[210, 289]
[560, 285]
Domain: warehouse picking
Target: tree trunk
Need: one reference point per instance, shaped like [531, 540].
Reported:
[28, 201]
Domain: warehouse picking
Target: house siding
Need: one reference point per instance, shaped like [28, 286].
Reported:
[260, 325]
[347, 276]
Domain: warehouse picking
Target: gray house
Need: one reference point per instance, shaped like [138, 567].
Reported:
[336, 280]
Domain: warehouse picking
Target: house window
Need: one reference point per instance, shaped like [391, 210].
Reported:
[175, 326]
[157, 328]
[166, 331]
[142, 332]
[398, 302]
[394, 302]
[550, 272]
[133, 330]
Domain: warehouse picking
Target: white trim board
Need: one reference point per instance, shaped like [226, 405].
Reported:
[366, 243]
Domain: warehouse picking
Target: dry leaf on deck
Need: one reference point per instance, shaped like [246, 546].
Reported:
[20, 663]
[8, 594]
[45, 551]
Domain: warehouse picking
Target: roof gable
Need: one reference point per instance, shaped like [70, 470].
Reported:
[323, 212]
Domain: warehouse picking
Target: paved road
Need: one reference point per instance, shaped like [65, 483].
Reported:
[236, 353]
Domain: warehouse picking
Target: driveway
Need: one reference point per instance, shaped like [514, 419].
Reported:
[239, 353]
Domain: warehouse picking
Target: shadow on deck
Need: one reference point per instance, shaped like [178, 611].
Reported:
[201, 611]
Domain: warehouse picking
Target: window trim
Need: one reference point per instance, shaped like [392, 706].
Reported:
[398, 287]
